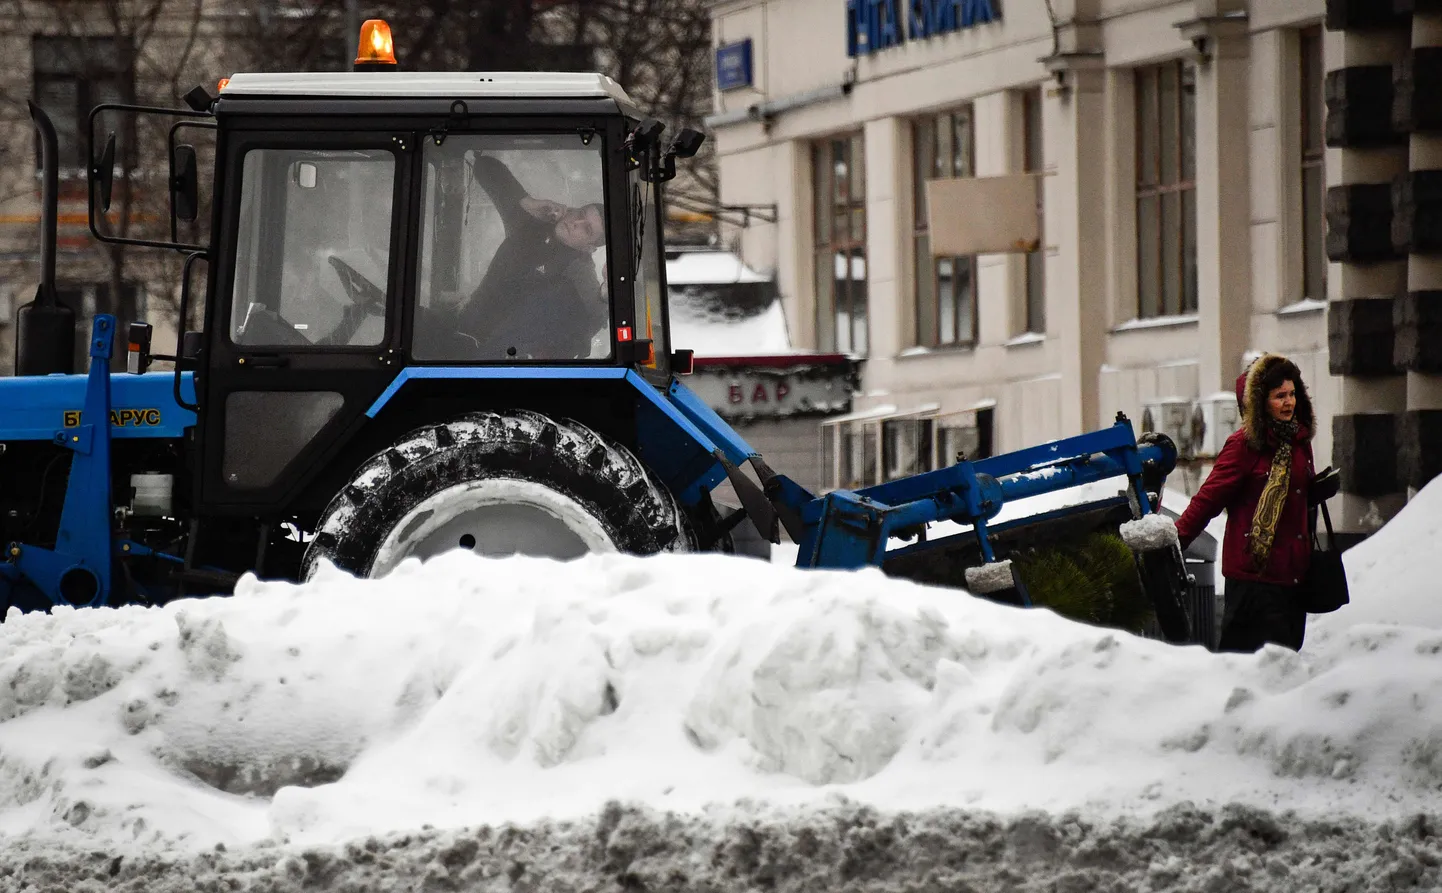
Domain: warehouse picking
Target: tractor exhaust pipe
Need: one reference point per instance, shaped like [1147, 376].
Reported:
[44, 328]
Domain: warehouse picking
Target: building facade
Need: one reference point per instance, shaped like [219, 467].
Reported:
[1182, 161]
[67, 56]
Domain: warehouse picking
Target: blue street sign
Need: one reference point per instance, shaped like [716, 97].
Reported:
[733, 65]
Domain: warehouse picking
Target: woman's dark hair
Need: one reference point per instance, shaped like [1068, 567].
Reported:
[1279, 372]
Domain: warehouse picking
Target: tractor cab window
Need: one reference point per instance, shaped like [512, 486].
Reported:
[513, 250]
[313, 249]
[649, 250]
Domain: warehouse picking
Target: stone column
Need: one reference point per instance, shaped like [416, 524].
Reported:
[1072, 112]
[1417, 229]
[1368, 274]
[1223, 158]
[886, 169]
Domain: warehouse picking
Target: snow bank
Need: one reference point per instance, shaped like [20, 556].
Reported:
[471, 691]
[843, 848]
[1395, 575]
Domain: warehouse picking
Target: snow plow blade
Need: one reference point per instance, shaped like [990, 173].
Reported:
[1113, 562]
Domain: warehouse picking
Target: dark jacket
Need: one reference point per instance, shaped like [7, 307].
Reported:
[539, 295]
[1235, 485]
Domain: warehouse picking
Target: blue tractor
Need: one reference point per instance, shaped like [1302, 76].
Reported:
[435, 317]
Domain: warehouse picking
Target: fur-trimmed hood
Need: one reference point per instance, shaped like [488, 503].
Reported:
[1252, 400]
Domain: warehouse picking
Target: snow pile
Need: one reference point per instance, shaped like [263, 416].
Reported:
[844, 848]
[1150, 532]
[471, 691]
[1395, 575]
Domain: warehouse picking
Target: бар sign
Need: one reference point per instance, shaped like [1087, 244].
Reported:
[873, 25]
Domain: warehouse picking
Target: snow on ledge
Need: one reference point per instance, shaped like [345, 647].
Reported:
[1306, 305]
[1157, 322]
[1025, 338]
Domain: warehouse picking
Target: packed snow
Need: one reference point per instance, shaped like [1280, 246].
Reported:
[698, 692]
[1149, 533]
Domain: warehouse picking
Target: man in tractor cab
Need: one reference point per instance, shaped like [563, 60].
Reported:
[540, 298]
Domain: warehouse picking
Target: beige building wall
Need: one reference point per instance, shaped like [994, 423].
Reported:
[1096, 357]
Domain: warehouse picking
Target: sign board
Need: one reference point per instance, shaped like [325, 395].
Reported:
[873, 25]
[983, 215]
[756, 393]
[733, 65]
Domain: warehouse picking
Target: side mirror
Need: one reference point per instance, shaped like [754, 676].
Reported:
[184, 184]
[687, 143]
[647, 134]
[105, 172]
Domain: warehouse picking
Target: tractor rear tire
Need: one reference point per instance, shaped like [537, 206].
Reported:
[498, 483]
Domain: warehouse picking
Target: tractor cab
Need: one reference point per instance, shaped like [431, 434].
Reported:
[375, 224]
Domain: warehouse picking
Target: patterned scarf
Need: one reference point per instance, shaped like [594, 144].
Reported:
[1274, 495]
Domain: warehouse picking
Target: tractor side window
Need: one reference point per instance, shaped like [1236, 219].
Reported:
[313, 252]
[649, 251]
[513, 250]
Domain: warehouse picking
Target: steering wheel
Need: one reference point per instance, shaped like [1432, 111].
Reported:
[366, 297]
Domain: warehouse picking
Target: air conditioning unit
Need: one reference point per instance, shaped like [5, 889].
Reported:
[1171, 416]
[1219, 419]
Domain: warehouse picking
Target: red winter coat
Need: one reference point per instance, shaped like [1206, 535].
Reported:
[1235, 484]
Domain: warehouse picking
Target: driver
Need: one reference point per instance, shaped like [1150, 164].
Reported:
[540, 297]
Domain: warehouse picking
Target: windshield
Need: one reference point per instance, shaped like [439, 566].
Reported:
[513, 250]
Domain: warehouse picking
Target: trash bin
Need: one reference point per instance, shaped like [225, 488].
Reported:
[1201, 601]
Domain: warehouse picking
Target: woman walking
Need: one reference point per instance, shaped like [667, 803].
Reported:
[1262, 480]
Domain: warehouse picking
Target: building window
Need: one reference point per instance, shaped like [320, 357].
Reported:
[1314, 178]
[907, 447]
[72, 75]
[970, 435]
[1166, 190]
[942, 146]
[839, 180]
[1033, 161]
[88, 299]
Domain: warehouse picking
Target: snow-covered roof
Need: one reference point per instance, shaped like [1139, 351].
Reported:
[427, 84]
[720, 307]
[709, 267]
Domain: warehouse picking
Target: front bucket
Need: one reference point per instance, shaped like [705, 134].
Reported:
[1072, 561]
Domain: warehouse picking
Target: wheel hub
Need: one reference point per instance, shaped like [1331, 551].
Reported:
[495, 517]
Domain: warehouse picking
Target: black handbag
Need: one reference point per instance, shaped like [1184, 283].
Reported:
[1325, 588]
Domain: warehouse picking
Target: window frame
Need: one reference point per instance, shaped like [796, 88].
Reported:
[1033, 143]
[827, 245]
[223, 302]
[617, 215]
[981, 419]
[1311, 161]
[926, 268]
[1155, 186]
[653, 242]
[87, 94]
